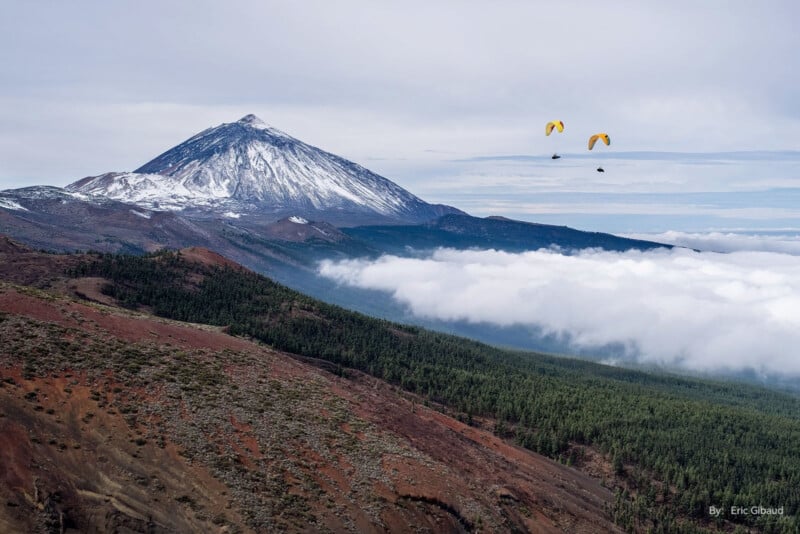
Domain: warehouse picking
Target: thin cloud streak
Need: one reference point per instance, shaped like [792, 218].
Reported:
[698, 311]
[781, 242]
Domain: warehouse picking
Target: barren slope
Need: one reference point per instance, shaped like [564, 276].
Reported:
[117, 420]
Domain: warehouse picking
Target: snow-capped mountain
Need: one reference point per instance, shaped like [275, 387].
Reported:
[247, 166]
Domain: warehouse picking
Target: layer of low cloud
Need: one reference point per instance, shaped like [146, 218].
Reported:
[784, 243]
[700, 311]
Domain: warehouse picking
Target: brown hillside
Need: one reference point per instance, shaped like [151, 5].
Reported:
[118, 421]
[9, 246]
[207, 257]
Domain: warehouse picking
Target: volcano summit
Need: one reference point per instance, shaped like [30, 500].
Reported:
[248, 167]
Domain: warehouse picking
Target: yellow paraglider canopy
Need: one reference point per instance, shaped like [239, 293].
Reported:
[602, 136]
[557, 125]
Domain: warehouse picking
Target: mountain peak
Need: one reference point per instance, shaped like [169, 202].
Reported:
[252, 120]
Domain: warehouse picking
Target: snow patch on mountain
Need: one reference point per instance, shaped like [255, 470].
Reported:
[9, 204]
[152, 191]
[143, 215]
[254, 122]
[298, 220]
[320, 230]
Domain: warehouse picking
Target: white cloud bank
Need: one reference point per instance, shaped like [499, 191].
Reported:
[728, 241]
[701, 311]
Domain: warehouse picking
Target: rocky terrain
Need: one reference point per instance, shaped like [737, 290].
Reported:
[114, 420]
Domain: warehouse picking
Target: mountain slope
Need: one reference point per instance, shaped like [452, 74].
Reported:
[55, 219]
[58, 220]
[677, 445]
[247, 166]
[674, 445]
[118, 421]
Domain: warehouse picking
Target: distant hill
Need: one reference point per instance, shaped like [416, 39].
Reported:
[464, 231]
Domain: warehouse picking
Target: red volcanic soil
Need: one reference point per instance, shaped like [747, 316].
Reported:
[69, 467]
[533, 493]
[9, 246]
[118, 323]
[20, 265]
[119, 421]
[207, 257]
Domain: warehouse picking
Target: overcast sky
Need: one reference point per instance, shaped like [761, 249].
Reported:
[412, 90]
